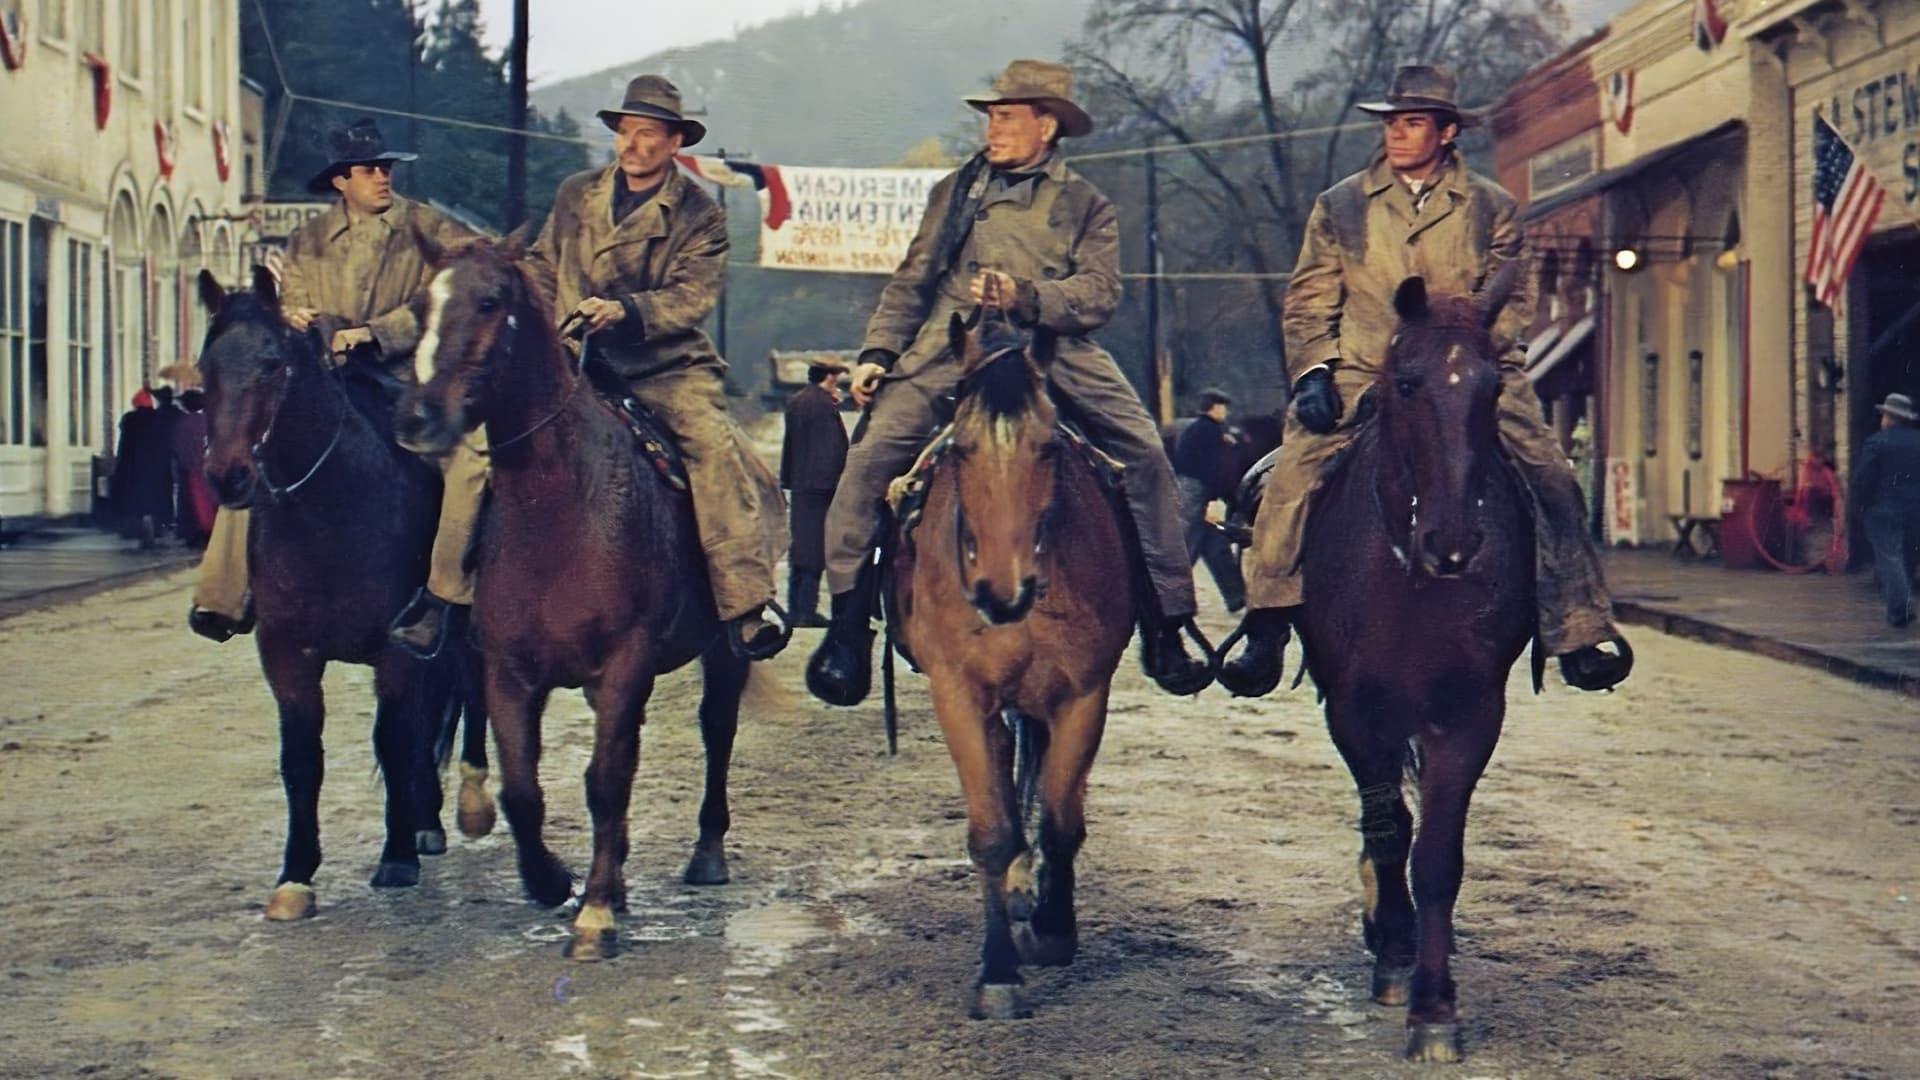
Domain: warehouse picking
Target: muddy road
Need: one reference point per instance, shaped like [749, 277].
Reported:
[1713, 873]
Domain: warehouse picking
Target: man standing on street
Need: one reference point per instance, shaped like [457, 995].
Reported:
[1203, 468]
[1885, 496]
[811, 457]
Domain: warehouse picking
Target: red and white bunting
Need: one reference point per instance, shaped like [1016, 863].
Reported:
[1618, 99]
[164, 148]
[13, 39]
[223, 150]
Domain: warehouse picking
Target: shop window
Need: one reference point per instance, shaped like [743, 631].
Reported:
[14, 401]
[53, 19]
[1650, 404]
[1550, 275]
[39, 278]
[82, 358]
[130, 65]
[193, 65]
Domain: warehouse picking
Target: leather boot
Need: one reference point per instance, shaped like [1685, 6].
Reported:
[217, 627]
[1262, 660]
[1593, 668]
[803, 599]
[1164, 656]
[841, 671]
[421, 626]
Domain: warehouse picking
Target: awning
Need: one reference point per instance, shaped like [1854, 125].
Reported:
[1600, 181]
[1539, 364]
[1545, 340]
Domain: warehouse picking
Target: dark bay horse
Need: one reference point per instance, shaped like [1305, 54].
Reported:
[590, 572]
[1013, 592]
[340, 526]
[1419, 558]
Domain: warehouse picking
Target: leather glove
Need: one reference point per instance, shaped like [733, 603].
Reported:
[886, 358]
[1314, 402]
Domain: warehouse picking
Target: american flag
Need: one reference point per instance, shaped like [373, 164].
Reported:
[1846, 202]
[1709, 29]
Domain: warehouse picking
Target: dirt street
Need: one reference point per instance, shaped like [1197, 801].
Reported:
[1713, 873]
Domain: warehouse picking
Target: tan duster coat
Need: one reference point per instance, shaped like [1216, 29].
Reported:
[666, 262]
[1364, 238]
[368, 284]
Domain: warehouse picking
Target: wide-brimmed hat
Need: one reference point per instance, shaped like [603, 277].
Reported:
[361, 144]
[1422, 88]
[1900, 407]
[655, 98]
[1038, 82]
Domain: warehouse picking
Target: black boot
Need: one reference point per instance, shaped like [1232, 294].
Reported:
[1164, 655]
[803, 599]
[217, 627]
[1592, 668]
[841, 671]
[1262, 661]
[421, 626]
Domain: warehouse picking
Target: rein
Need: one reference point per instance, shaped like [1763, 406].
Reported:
[1413, 521]
[258, 451]
[566, 401]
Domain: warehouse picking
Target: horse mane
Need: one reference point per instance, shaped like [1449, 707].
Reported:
[1003, 387]
[362, 384]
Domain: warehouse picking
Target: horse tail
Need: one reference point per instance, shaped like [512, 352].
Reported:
[1028, 747]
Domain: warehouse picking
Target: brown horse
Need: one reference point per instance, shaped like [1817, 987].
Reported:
[590, 572]
[341, 523]
[1420, 558]
[1014, 595]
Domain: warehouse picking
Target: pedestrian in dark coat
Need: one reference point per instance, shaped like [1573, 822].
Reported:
[1885, 498]
[1203, 468]
[143, 467]
[811, 458]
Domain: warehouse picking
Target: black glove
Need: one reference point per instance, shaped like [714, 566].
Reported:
[1315, 404]
[886, 358]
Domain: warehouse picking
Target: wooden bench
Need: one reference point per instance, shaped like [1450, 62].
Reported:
[1684, 526]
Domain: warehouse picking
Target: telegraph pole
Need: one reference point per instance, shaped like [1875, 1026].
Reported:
[1158, 385]
[517, 119]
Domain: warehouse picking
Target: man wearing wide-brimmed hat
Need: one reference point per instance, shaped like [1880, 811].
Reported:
[636, 253]
[1884, 496]
[1017, 230]
[1417, 210]
[360, 264]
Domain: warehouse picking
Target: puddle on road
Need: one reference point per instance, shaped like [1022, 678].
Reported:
[574, 1049]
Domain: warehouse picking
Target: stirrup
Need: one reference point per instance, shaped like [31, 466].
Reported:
[750, 652]
[422, 607]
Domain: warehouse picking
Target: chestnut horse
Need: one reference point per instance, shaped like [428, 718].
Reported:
[1419, 558]
[590, 572]
[1014, 593]
[340, 526]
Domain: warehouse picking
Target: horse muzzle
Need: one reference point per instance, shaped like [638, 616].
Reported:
[1449, 554]
[235, 485]
[998, 611]
[424, 428]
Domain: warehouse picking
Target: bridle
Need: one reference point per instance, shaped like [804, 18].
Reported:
[1044, 520]
[566, 400]
[258, 451]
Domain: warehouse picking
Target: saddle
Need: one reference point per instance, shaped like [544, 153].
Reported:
[652, 443]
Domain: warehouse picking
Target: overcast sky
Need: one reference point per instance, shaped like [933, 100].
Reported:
[574, 37]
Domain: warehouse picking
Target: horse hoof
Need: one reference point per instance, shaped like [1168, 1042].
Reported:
[430, 841]
[707, 868]
[1433, 1044]
[1023, 892]
[396, 875]
[291, 902]
[1044, 950]
[595, 935]
[476, 813]
[548, 883]
[999, 1001]
[1390, 985]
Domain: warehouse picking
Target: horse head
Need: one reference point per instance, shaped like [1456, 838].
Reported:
[248, 364]
[478, 305]
[1005, 462]
[1437, 399]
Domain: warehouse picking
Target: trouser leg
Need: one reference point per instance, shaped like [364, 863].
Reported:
[737, 505]
[1887, 533]
[1574, 608]
[221, 586]
[1272, 561]
[885, 443]
[1107, 406]
[464, 475]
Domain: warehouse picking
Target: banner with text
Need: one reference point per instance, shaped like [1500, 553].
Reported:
[856, 221]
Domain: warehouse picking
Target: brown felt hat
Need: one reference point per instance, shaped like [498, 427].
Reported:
[655, 98]
[1422, 88]
[1038, 82]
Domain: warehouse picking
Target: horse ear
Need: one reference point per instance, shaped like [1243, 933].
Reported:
[1410, 299]
[266, 287]
[957, 335]
[211, 294]
[515, 244]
